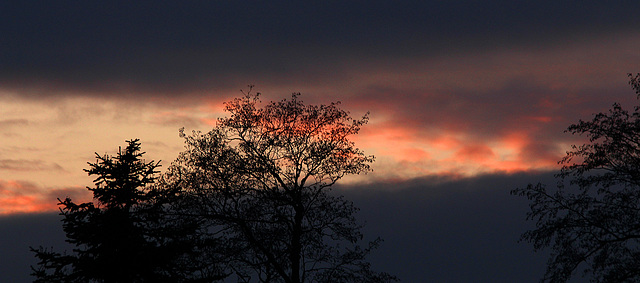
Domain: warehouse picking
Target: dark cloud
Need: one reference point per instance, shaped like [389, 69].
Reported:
[178, 120]
[441, 229]
[484, 111]
[436, 229]
[21, 231]
[535, 113]
[128, 47]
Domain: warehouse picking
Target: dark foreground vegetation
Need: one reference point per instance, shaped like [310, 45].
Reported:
[591, 219]
[245, 202]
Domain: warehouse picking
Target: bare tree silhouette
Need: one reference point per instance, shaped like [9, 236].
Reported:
[593, 222]
[260, 181]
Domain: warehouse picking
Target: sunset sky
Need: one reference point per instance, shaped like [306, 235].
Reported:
[459, 91]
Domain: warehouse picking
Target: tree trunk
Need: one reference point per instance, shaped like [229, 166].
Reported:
[296, 241]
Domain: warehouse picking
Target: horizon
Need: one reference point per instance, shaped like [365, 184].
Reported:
[458, 92]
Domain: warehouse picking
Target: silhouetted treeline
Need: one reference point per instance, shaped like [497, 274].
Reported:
[246, 201]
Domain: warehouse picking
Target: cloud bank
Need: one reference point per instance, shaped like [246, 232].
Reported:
[454, 88]
[172, 48]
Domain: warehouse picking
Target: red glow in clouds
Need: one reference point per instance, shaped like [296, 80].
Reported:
[24, 197]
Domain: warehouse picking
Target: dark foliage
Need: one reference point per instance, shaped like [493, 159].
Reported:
[592, 221]
[123, 236]
[259, 182]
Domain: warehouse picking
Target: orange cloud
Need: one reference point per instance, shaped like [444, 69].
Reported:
[176, 119]
[414, 154]
[476, 153]
[543, 119]
[28, 165]
[25, 197]
[405, 152]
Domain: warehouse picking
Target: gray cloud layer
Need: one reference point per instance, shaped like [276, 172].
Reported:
[442, 230]
[436, 229]
[172, 47]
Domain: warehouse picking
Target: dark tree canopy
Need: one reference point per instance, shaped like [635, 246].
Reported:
[260, 180]
[591, 220]
[248, 201]
[121, 236]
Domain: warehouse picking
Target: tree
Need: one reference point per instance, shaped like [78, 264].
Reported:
[593, 224]
[122, 236]
[260, 181]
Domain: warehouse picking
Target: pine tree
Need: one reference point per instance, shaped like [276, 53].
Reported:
[123, 235]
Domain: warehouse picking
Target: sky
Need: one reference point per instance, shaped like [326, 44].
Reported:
[472, 94]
